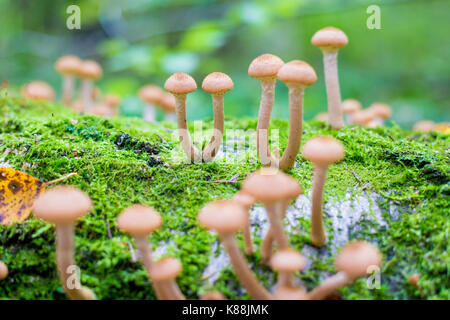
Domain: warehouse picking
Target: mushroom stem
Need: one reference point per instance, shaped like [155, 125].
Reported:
[243, 272]
[265, 109]
[333, 91]
[329, 285]
[210, 150]
[183, 132]
[64, 258]
[266, 245]
[246, 233]
[318, 236]
[295, 127]
[173, 291]
[276, 224]
[68, 85]
[169, 117]
[150, 113]
[86, 95]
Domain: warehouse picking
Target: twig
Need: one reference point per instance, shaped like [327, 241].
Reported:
[108, 228]
[356, 176]
[233, 179]
[61, 179]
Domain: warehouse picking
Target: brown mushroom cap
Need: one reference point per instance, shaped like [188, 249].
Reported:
[363, 117]
[290, 293]
[351, 106]
[329, 37]
[356, 257]
[90, 69]
[180, 83]
[323, 150]
[112, 100]
[38, 90]
[297, 72]
[69, 64]
[168, 102]
[381, 110]
[443, 127]
[424, 126]
[270, 184]
[139, 220]
[288, 260]
[167, 268]
[3, 270]
[223, 216]
[217, 83]
[265, 66]
[244, 199]
[62, 204]
[151, 94]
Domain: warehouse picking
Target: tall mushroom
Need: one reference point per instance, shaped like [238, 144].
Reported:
[140, 221]
[38, 90]
[274, 189]
[152, 96]
[180, 84]
[217, 84]
[296, 75]
[163, 274]
[246, 201]
[89, 71]
[227, 218]
[265, 68]
[62, 206]
[321, 151]
[330, 40]
[352, 262]
[349, 108]
[287, 262]
[68, 67]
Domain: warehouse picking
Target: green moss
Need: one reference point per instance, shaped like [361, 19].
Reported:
[124, 161]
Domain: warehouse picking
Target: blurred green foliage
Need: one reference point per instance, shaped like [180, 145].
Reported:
[405, 63]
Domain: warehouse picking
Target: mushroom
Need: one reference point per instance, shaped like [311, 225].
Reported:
[168, 106]
[330, 40]
[3, 270]
[212, 295]
[163, 274]
[321, 151]
[265, 68]
[443, 127]
[424, 126]
[381, 112]
[296, 75]
[62, 206]
[68, 67]
[226, 218]
[152, 96]
[274, 189]
[349, 108]
[180, 84]
[217, 84]
[287, 262]
[89, 71]
[113, 101]
[290, 293]
[246, 201]
[363, 117]
[352, 262]
[323, 116]
[412, 280]
[38, 90]
[140, 221]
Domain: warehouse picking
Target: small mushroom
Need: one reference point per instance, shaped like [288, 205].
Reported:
[274, 189]
[424, 126]
[352, 262]
[68, 67]
[152, 96]
[168, 106]
[163, 274]
[246, 201]
[113, 101]
[381, 112]
[296, 75]
[180, 84]
[414, 279]
[89, 71]
[38, 90]
[330, 40]
[287, 262]
[62, 206]
[321, 151]
[443, 127]
[217, 84]
[323, 116]
[364, 117]
[227, 218]
[265, 69]
[212, 295]
[349, 108]
[3, 270]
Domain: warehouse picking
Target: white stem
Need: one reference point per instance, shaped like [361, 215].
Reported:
[150, 113]
[68, 87]
[86, 93]
[333, 91]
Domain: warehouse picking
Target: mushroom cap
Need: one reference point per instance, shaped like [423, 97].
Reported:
[270, 185]
[168, 103]
[381, 110]
[424, 126]
[265, 66]
[68, 64]
[363, 117]
[3, 270]
[244, 199]
[180, 83]
[351, 106]
[102, 110]
[151, 94]
[62, 204]
[139, 220]
[112, 100]
[217, 82]
[212, 295]
[223, 216]
[297, 72]
[323, 116]
[443, 127]
[164, 269]
[329, 37]
[290, 293]
[288, 260]
[90, 69]
[38, 90]
[356, 257]
[323, 150]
